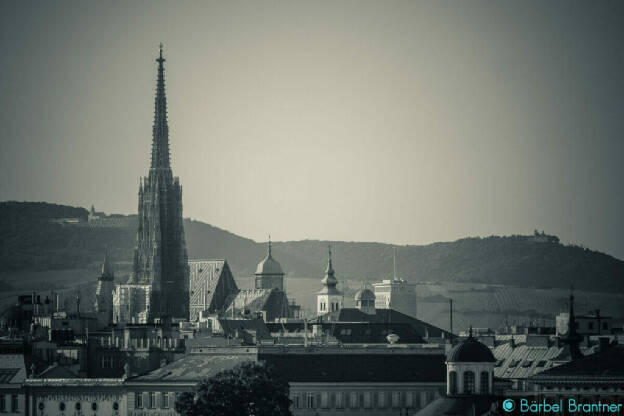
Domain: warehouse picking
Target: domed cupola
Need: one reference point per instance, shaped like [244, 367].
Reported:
[269, 273]
[470, 368]
[365, 301]
[471, 351]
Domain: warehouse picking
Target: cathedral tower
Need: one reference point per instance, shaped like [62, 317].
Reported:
[160, 258]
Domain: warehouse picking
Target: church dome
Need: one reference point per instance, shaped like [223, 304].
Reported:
[364, 294]
[470, 351]
[269, 266]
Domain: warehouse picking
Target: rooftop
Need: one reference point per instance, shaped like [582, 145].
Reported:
[605, 365]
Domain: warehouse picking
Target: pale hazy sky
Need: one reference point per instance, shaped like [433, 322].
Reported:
[397, 121]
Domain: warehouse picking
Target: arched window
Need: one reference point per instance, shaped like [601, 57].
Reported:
[452, 382]
[469, 382]
[484, 382]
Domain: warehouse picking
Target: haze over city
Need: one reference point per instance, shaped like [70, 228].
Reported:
[402, 122]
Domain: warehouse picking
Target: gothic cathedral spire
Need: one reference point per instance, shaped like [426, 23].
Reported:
[160, 266]
[160, 132]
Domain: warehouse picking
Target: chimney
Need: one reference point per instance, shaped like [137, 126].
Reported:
[451, 315]
[604, 343]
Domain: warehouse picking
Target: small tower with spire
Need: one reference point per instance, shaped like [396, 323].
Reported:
[572, 338]
[104, 292]
[269, 273]
[329, 298]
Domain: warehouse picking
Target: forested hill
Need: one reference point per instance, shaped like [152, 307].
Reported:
[35, 236]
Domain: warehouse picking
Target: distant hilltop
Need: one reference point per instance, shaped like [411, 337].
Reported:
[39, 236]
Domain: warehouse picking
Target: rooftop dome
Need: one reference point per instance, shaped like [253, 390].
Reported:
[269, 266]
[364, 294]
[470, 351]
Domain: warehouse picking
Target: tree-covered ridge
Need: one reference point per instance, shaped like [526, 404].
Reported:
[30, 239]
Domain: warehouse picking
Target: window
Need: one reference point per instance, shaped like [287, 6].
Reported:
[138, 400]
[485, 382]
[106, 361]
[409, 397]
[469, 382]
[296, 401]
[381, 399]
[499, 363]
[62, 406]
[152, 400]
[94, 406]
[165, 400]
[339, 400]
[590, 325]
[417, 399]
[2, 403]
[540, 363]
[14, 403]
[396, 399]
[514, 363]
[527, 363]
[452, 382]
[353, 400]
[41, 406]
[115, 406]
[324, 400]
[78, 406]
[605, 326]
[311, 404]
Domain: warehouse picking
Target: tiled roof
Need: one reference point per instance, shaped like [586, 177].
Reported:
[522, 361]
[211, 282]
[193, 368]
[378, 368]
[12, 369]
[273, 301]
[602, 365]
[424, 329]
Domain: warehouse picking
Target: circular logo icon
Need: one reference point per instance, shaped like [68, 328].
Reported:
[509, 405]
